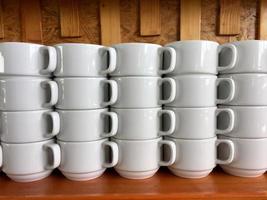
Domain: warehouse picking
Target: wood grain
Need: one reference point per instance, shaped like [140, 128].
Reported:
[1, 20]
[31, 21]
[229, 17]
[110, 22]
[69, 18]
[150, 17]
[190, 22]
[89, 14]
[163, 185]
[262, 20]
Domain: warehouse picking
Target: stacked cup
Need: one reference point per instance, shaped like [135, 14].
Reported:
[139, 109]
[28, 123]
[195, 108]
[85, 122]
[248, 106]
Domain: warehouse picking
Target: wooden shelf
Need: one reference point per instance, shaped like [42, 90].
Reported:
[162, 186]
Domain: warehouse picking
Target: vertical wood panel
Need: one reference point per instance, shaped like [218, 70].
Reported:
[149, 17]
[69, 18]
[229, 17]
[263, 20]
[1, 20]
[31, 22]
[110, 21]
[190, 24]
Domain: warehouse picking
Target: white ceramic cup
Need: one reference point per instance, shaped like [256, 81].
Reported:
[29, 126]
[143, 92]
[197, 158]
[85, 93]
[82, 161]
[19, 58]
[142, 59]
[142, 124]
[198, 123]
[249, 89]
[93, 60]
[251, 57]
[24, 93]
[87, 125]
[250, 159]
[198, 57]
[249, 122]
[198, 90]
[27, 162]
[140, 159]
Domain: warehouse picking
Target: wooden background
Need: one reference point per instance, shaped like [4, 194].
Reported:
[56, 21]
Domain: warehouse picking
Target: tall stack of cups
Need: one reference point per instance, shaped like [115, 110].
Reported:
[139, 108]
[248, 105]
[195, 108]
[28, 123]
[85, 122]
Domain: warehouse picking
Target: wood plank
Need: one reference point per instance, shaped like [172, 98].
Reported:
[69, 18]
[149, 17]
[229, 17]
[31, 21]
[110, 21]
[190, 20]
[1, 20]
[163, 185]
[262, 33]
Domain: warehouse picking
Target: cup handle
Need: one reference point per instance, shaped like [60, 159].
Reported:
[173, 90]
[171, 145]
[171, 115]
[55, 124]
[52, 64]
[114, 92]
[112, 60]
[231, 90]
[114, 154]
[114, 124]
[231, 124]
[234, 57]
[55, 150]
[1, 156]
[54, 92]
[171, 67]
[231, 146]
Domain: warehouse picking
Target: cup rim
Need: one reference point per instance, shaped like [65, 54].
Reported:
[189, 108]
[191, 140]
[21, 43]
[242, 74]
[77, 44]
[81, 110]
[241, 139]
[137, 109]
[82, 142]
[27, 112]
[79, 78]
[136, 44]
[247, 41]
[137, 141]
[135, 77]
[191, 41]
[29, 143]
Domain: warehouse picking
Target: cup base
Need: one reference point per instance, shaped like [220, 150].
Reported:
[190, 174]
[83, 176]
[248, 173]
[136, 174]
[29, 177]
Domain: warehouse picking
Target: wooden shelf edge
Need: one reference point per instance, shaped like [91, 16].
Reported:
[163, 185]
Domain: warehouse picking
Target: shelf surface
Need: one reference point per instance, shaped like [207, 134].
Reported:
[163, 185]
